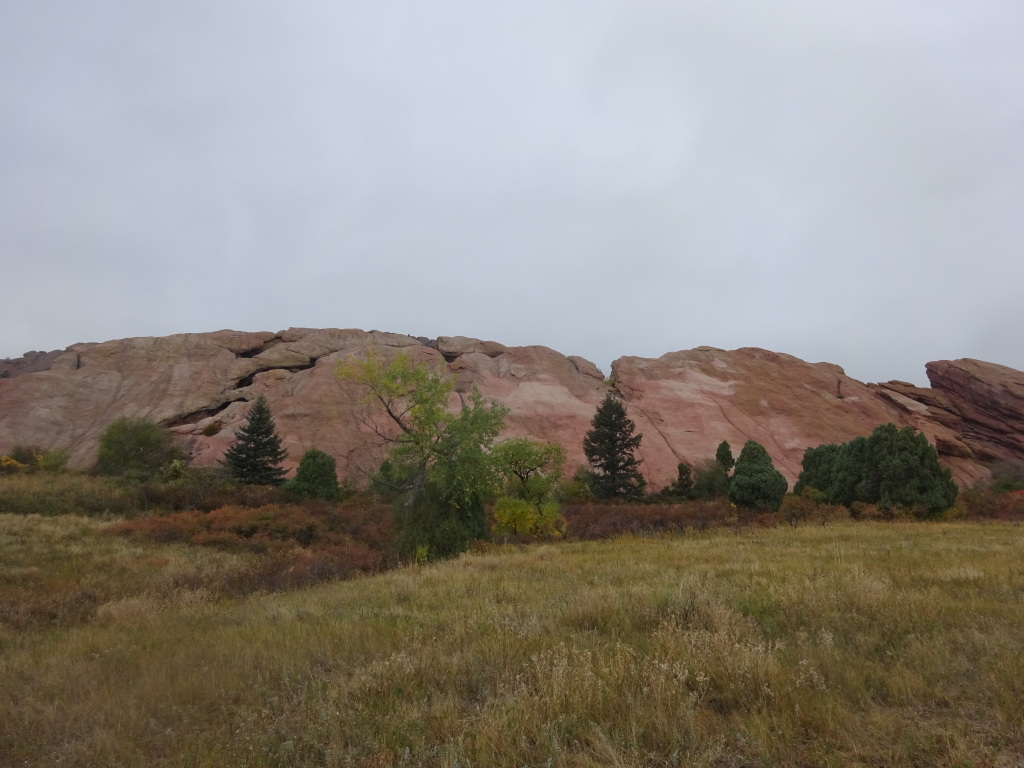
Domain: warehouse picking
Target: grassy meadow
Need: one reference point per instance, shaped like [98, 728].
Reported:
[856, 643]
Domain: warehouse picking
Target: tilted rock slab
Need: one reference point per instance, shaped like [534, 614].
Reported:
[685, 403]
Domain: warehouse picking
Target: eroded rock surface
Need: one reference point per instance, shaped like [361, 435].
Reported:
[685, 403]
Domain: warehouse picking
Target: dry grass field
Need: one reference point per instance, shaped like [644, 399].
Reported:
[852, 644]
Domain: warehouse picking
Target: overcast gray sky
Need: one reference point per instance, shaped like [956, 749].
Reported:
[838, 180]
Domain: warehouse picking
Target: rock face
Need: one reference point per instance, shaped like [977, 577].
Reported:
[684, 403]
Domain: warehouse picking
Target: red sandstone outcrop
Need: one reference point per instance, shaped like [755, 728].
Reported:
[684, 403]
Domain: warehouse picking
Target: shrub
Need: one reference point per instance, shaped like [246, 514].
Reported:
[896, 469]
[755, 483]
[709, 480]
[797, 509]
[602, 520]
[70, 494]
[299, 544]
[135, 447]
[54, 460]
[522, 518]
[316, 477]
[10, 465]
[1007, 476]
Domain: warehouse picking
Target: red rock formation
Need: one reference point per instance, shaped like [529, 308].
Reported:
[684, 403]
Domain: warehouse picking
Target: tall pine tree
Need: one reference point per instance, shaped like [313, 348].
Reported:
[609, 447]
[255, 457]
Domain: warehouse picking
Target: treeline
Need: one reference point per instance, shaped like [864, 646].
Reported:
[450, 480]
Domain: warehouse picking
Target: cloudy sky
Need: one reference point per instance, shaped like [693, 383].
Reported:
[842, 181]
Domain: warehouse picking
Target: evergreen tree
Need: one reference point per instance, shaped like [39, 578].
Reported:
[316, 477]
[709, 480]
[756, 484]
[683, 486]
[891, 468]
[256, 455]
[609, 447]
[818, 467]
[724, 456]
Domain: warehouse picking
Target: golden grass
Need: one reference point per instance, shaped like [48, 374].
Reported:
[881, 644]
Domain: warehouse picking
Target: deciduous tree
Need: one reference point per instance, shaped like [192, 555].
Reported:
[442, 459]
[136, 447]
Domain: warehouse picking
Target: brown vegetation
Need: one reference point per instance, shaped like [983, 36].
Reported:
[858, 643]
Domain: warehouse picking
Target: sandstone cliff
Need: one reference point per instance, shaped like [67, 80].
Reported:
[684, 403]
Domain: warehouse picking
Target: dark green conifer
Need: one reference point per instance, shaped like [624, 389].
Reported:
[756, 483]
[256, 455]
[724, 456]
[609, 447]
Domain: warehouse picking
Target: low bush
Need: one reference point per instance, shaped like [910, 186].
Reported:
[70, 494]
[602, 521]
[302, 543]
[988, 505]
[523, 520]
[316, 477]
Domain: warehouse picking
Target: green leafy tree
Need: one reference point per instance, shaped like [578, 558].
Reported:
[135, 447]
[756, 484]
[723, 455]
[610, 447]
[316, 477]
[256, 455]
[439, 464]
[533, 474]
[532, 470]
[521, 517]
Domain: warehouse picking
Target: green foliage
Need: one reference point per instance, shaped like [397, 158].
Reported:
[679, 489]
[54, 460]
[440, 465]
[756, 484]
[709, 480]
[723, 455]
[1007, 476]
[682, 487]
[256, 455]
[521, 517]
[532, 470]
[430, 521]
[578, 487]
[30, 458]
[818, 465]
[533, 475]
[609, 447]
[316, 477]
[893, 469]
[136, 448]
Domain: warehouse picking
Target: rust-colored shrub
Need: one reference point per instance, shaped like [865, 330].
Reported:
[300, 543]
[607, 520]
[986, 505]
